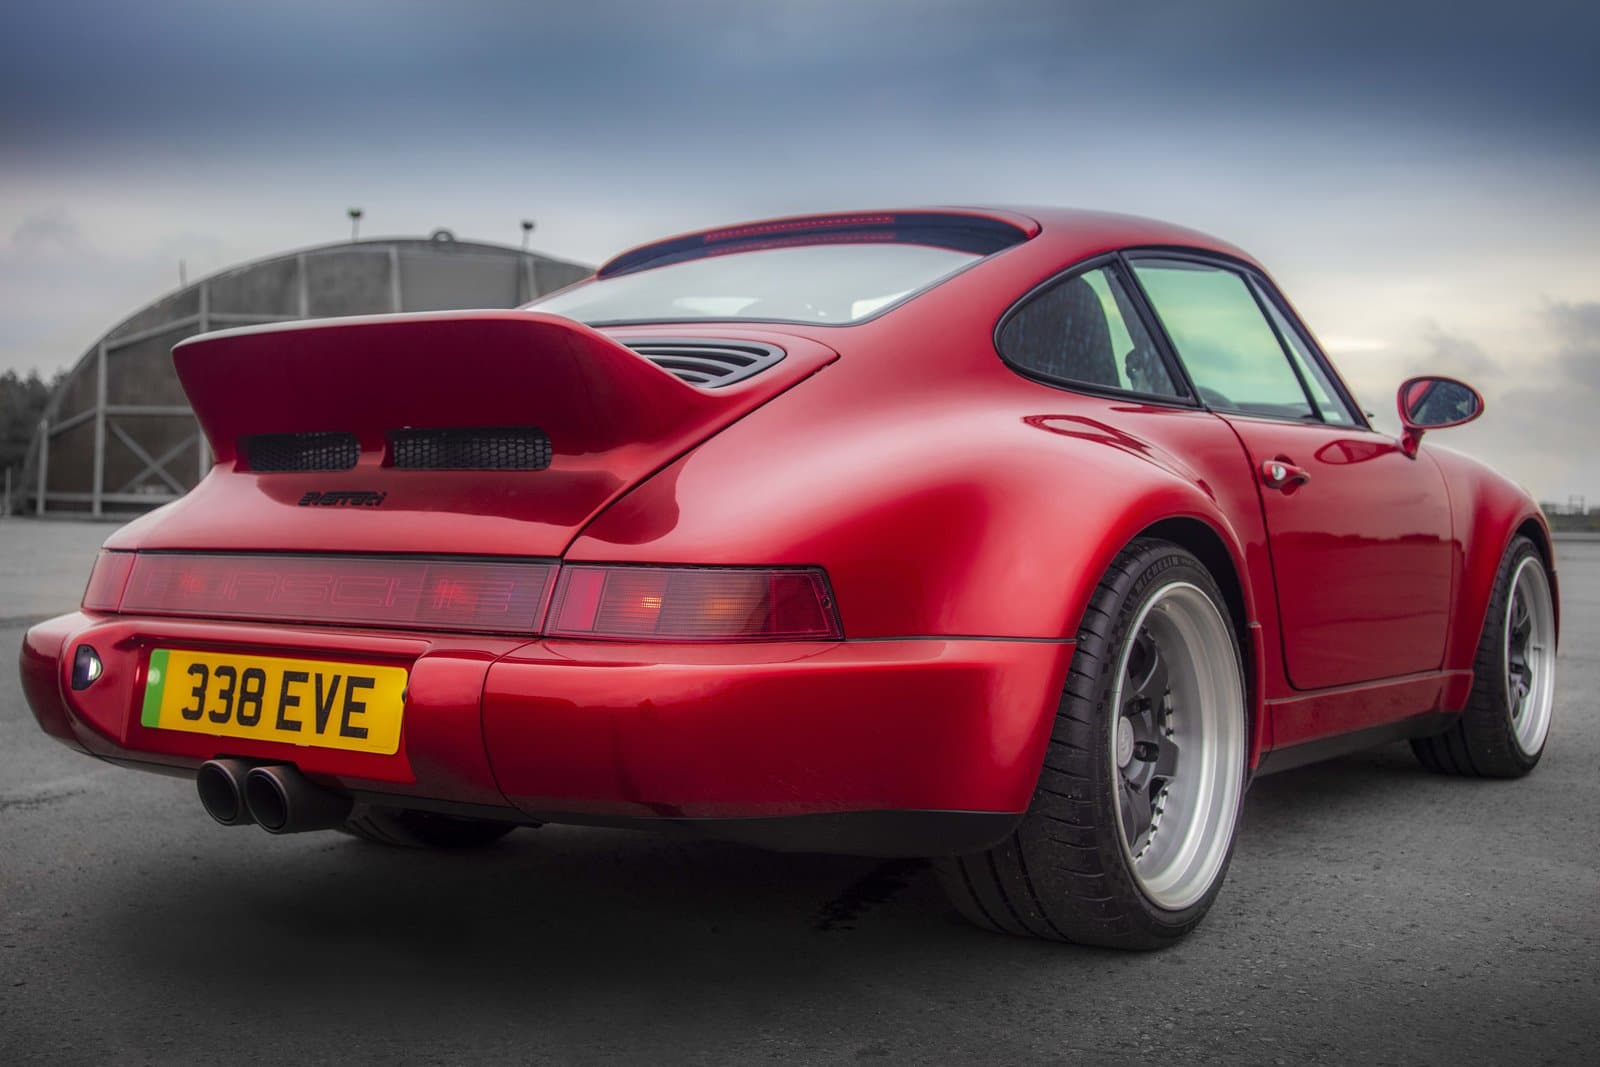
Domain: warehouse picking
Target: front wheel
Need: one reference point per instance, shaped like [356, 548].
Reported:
[1131, 827]
[1501, 732]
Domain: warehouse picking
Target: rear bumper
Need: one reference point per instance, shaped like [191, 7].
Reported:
[891, 747]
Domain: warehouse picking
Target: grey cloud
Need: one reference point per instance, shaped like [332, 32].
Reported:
[1578, 327]
[1446, 353]
[1540, 425]
[1577, 323]
[45, 232]
[59, 290]
[186, 77]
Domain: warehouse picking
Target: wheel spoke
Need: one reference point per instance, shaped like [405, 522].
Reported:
[1154, 686]
[1135, 812]
[1166, 759]
[1146, 691]
[1142, 661]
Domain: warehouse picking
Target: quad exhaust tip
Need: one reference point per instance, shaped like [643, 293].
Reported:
[284, 801]
[220, 784]
[277, 797]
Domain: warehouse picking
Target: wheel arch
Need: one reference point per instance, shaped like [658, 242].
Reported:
[1208, 546]
[1535, 530]
[1489, 512]
[1226, 568]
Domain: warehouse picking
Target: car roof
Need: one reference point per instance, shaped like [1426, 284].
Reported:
[1080, 233]
[1070, 233]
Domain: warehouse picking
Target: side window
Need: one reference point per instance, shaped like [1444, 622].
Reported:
[1229, 349]
[1317, 382]
[1084, 331]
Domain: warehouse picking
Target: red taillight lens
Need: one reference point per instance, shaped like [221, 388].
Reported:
[106, 581]
[692, 604]
[362, 591]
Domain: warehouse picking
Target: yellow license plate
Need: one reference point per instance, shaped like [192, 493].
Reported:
[352, 706]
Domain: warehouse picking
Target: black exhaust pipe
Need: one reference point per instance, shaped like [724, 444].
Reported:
[284, 801]
[221, 785]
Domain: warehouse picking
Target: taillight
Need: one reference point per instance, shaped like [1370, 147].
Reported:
[590, 600]
[500, 597]
[692, 604]
[106, 581]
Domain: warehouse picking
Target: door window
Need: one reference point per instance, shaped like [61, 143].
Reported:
[1226, 344]
[1318, 383]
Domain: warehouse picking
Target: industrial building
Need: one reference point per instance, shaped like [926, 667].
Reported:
[118, 437]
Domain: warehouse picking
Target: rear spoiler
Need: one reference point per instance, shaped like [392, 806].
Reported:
[373, 375]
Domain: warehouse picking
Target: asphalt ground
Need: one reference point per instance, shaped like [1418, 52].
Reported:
[1374, 914]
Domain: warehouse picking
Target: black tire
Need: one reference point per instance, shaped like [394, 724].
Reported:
[1482, 742]
[403, 828]
[1065, 874]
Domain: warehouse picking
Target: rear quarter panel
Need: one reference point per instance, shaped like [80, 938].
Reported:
[975, 514]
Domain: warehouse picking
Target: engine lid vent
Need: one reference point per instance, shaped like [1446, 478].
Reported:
[283, 452]
[707, 363]
[472, 448]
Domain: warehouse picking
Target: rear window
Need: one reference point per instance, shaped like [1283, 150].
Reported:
[830, 284]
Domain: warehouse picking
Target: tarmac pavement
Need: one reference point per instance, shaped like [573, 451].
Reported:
[1374, 914]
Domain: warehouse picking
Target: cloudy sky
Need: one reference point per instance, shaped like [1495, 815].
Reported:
[1423, 179]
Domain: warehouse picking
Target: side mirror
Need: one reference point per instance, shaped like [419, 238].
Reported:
[1434, 403]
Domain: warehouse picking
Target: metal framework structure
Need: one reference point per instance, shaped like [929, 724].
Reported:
[118, 438]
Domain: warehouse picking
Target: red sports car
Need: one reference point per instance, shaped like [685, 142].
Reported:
[1018, 539]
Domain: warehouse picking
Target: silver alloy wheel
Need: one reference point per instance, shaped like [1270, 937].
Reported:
[1530, 655]
[1178, 746]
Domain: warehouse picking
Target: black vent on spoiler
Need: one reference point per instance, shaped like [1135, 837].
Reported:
[708, 363]
[279, 452]
[473, 448]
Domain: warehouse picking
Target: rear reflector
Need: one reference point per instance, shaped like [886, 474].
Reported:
[692, 604]
[499, 597]
[110, 574]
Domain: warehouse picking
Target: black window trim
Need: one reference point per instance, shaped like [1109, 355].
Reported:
[1265, 290]
[1113, 262]
[1259, 286]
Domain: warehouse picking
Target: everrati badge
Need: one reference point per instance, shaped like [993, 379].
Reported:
[343, 498]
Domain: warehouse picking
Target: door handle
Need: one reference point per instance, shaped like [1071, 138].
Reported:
[1280, 474]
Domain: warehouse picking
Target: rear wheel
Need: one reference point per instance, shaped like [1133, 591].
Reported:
[1502, 731]
[1131, 827]
[404, 828]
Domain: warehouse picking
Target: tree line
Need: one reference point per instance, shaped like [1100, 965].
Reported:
[22, 401]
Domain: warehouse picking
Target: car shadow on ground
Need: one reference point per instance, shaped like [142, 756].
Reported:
[552, 911]
[584, 945]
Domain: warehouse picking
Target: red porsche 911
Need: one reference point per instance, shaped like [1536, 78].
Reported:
[1018, 539]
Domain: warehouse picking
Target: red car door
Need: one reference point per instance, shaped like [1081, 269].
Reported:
[1360, 533]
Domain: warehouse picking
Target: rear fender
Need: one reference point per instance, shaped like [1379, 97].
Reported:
[976, 505]
[946, 521]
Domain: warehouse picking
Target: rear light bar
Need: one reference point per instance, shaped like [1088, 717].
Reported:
[107, 580]
[692, 604]
[590, 601]
[470, 595]
[782, 227]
